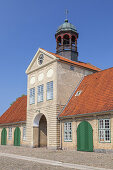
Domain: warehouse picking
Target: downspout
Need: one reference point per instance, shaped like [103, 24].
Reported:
[61, 134]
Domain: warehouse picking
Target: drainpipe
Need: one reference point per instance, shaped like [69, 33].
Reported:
[61, 134]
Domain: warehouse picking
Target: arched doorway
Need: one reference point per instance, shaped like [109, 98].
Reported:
[43, 132]
[17, 136]
[85, 137]
[3, 136]
[40, 131]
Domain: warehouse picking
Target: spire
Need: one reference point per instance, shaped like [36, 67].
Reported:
[66, 14]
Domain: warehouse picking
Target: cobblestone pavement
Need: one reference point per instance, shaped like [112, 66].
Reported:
[102, 160]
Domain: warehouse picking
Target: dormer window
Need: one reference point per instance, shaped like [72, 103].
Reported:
[78, 93]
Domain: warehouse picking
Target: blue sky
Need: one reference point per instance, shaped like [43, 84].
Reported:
[26, 25]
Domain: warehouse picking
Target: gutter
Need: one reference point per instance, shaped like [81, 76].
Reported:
[85, 114]
[4, 124]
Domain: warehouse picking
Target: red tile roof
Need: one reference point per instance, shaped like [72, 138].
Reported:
[15, 113]
[81, 64]
[96, 95]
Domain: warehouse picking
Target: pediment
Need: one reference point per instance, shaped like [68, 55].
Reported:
[41, 59]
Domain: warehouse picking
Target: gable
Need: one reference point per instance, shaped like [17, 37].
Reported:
[41, 58]
[93, 95]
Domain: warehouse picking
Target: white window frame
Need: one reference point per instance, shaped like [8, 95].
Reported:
[32, 95]
[10, 133]
[24, 132]
[102, 130]
[50, 90]
[68, 132]
[40, 90]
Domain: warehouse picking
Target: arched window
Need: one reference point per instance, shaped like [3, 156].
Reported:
[66, 39]
[59, 41]
[73, 40]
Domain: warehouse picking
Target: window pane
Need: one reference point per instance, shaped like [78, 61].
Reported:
[69, 126]
[68, 131]
[50, 90]
[107, 122]
[10, 133]
[101, 124]
[32, 96]
[40, 93]
[70, 135]
[65, 126]
[107, 135]
[101, 134]
[24, 133]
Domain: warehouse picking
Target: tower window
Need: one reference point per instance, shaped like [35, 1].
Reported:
[73, 40]
[59, 41]
[66, 39]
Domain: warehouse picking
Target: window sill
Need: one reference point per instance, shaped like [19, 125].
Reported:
[104, 141]
[9, 138]
[68, 141]
[40, 102]
[49, 99]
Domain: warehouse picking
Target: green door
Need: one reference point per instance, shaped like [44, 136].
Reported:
[17, 137]
[85, 137]
[3, 136]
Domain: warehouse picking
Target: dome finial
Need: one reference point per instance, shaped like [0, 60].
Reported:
[66, 13]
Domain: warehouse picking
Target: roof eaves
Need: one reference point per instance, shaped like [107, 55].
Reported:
[2, 124]
[84, 114]
[78, 64]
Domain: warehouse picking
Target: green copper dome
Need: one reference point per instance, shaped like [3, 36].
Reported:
[66, 27]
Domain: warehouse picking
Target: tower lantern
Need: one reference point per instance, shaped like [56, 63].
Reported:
[66, 41]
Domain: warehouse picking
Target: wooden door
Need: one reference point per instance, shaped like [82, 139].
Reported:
[85, 137]
[17, 136]
[3, 136]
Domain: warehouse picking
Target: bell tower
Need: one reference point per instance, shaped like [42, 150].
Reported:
[66, 41]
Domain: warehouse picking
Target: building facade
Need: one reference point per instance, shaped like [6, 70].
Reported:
[87, 119]
[51, 81]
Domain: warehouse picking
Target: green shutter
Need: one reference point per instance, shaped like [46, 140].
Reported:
[3, 137]
[85, 137]
[17, 137]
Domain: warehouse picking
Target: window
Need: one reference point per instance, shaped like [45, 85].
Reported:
[24, 133]
[10, 133]
[104, 130]
[72, 67]
[40, 93]
[78, 93]
[50, 90]
[32, 96]
[68, 131]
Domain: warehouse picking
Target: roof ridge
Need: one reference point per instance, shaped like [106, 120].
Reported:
[99, 72]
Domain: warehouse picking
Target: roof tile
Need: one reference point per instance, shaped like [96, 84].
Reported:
[15, 113]
[96, 95]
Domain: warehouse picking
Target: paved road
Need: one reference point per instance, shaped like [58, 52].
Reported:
[21, 158]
